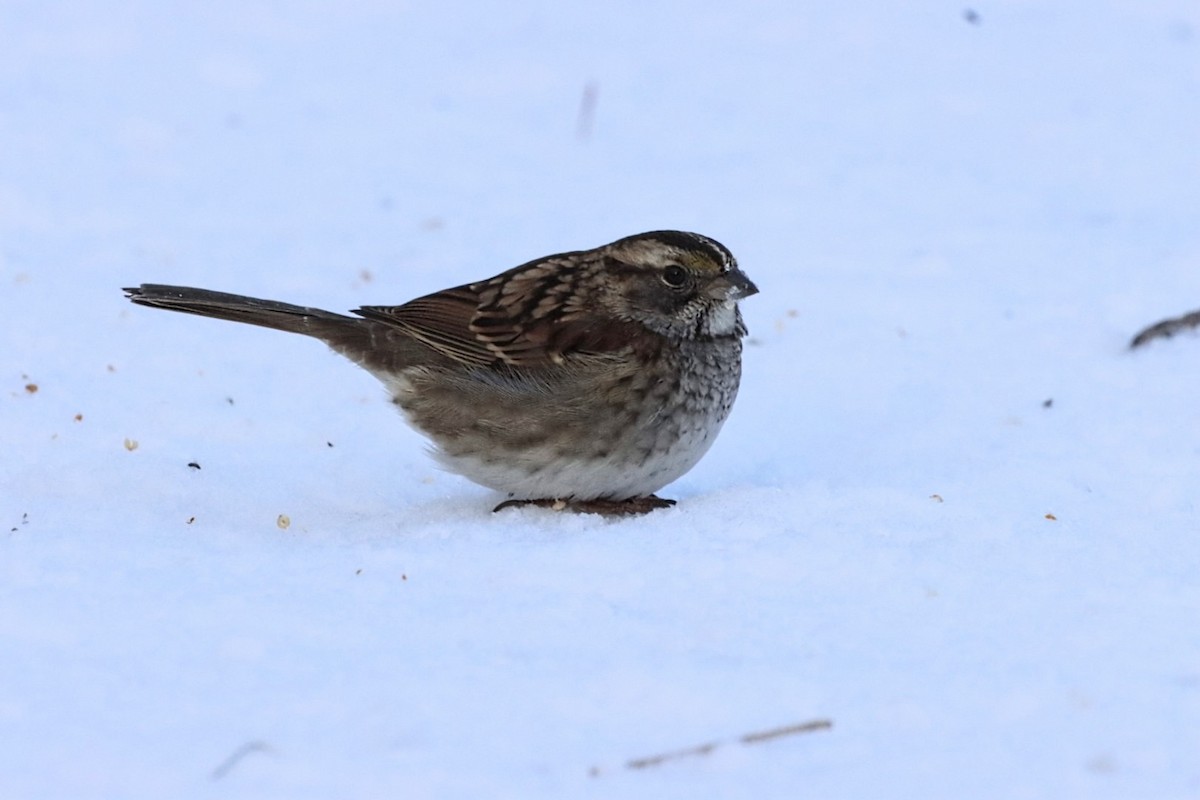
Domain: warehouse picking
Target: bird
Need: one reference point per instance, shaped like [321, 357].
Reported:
[584, 381]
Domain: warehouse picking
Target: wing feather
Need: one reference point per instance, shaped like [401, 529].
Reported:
[536, 315]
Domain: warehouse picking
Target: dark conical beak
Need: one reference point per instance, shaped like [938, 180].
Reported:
[733, 285]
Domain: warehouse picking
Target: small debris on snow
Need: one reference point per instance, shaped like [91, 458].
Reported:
[236, 756]
[755, 737]
[1166, 329]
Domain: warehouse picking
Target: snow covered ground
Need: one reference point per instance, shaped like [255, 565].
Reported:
[952, 514]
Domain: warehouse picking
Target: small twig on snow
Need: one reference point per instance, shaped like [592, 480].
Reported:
[1166, 329]
[226, 766]
[746, 739]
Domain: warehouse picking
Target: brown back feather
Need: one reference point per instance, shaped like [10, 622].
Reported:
[527, 317]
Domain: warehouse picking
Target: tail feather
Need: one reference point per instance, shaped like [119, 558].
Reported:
[382, 349]
[235, 307]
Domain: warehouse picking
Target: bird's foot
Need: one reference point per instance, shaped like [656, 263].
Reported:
[633, 507]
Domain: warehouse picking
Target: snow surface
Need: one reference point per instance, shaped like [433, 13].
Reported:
[951, 513]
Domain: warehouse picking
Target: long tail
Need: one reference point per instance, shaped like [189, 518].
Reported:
[380, 348]
[251, 310]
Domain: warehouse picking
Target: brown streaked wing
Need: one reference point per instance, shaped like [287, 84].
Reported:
[441, 320]
[538, 314]
[525, 317]
[555, 338]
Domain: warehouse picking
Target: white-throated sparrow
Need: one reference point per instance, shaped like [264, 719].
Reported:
[588, 379]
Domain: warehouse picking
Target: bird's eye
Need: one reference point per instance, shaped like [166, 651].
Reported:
[675, 276]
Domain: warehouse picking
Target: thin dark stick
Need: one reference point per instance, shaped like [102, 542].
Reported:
[236, 756]
[789, 730]
[749, 738]
[654, 761]
[1166, 329]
